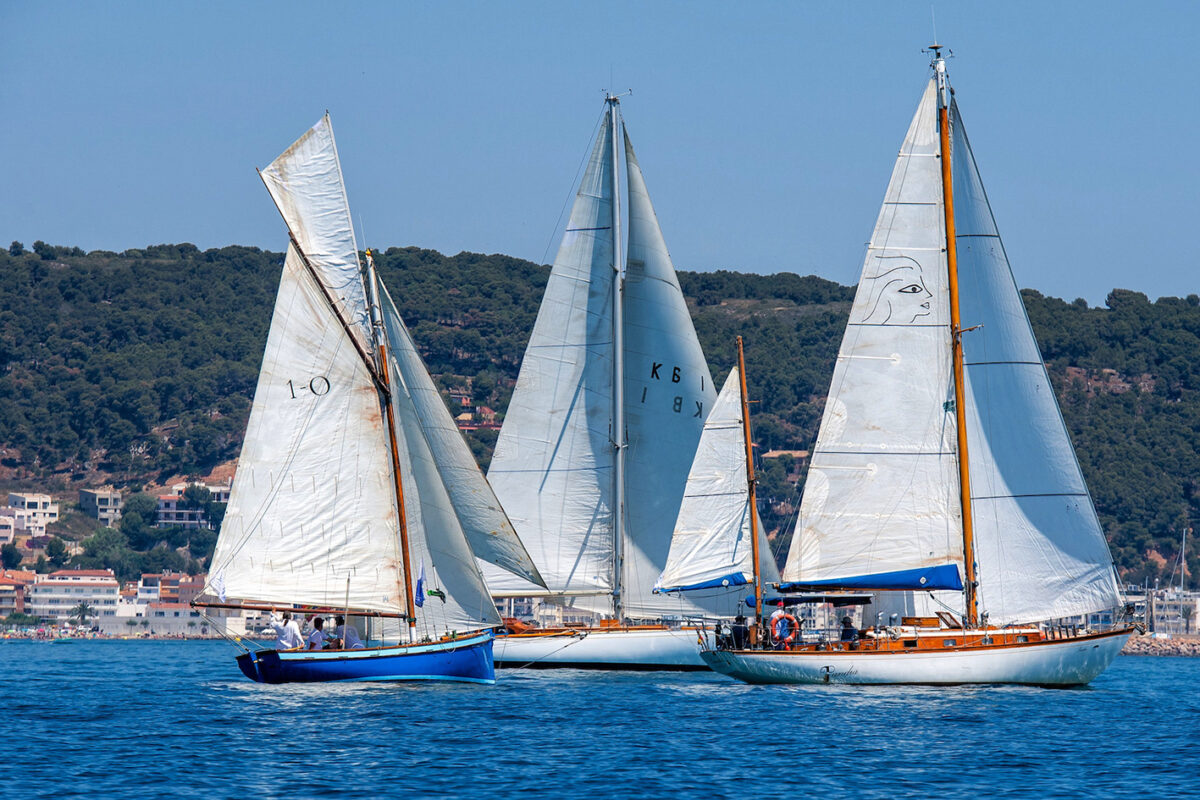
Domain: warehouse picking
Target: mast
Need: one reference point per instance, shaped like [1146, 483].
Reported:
[964, 477]
[380, 336]
[618, 378]
[758, 599]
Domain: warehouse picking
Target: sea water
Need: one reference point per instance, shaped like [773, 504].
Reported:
[146, 719]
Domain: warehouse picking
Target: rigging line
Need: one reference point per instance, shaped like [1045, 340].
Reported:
[576, 638]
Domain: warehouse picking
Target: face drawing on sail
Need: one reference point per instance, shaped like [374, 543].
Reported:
[897, 291]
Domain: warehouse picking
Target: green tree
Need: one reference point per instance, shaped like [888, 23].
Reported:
[82, 611]
[10, 556]
[56, 551]
[16, 249]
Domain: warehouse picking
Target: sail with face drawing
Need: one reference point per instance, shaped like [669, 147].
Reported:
[600, 540]
[882, 506]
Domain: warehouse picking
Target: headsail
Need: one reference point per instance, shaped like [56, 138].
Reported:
[490, 534]
[436, 537]
[552, 466]
[711, 545]
[880, 507]
[1039, 545]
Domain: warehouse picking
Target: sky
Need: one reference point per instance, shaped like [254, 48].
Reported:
[766, 131]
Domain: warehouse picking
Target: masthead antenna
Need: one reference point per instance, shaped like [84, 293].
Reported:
[609, 97]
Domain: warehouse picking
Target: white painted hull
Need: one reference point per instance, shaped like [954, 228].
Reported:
[1053, 663]
[602, 649]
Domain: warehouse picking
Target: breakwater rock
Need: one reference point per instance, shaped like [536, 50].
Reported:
[1150, 646]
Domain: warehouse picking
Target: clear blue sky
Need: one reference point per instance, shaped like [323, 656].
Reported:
[766, 131]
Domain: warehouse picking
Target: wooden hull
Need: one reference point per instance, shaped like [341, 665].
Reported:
[467, 660]
[1058, 662]
[649, 648]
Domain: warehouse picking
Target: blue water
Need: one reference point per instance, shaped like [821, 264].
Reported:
[152, 719]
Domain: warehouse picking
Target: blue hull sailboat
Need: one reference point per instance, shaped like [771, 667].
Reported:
[468, 660]
[355, 494]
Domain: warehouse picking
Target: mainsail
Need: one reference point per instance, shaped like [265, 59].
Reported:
[881, 506]
[313, 516]
[711, 545]
[557, 454]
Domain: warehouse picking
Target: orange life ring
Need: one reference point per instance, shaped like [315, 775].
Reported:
[793, 628]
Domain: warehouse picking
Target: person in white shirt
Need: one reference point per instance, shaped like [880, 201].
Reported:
[348, 634]
[287, 632]
[316, 639]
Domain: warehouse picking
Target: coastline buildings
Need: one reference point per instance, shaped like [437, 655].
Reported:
[53, 596]
[28, 514]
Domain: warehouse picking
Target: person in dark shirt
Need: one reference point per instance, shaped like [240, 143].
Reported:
[740, 632]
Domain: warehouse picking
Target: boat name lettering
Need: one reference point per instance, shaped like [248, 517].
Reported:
[318, 386]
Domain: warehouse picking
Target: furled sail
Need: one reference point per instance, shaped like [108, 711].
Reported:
[553, 463]
[880, 507]
[490, 534]
[312, 503]
[711, 545]
[1039, 545]
[305, 182]
[669, 394]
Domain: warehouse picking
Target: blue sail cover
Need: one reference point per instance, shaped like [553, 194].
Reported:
[732, 579]
[943, 576]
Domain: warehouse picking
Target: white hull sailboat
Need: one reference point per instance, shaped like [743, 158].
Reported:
[1069, 662]
[943, 482]
[354, 494]
[592, 459]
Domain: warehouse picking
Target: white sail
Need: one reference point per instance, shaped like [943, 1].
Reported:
[553, 463]
[881, 499]
[436, 541]
[306, 184]
[1039, 545]
[669, 394]
[711, 545]
[312, 503]
[490, 534]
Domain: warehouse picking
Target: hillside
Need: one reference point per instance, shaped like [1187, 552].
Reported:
[133, 367]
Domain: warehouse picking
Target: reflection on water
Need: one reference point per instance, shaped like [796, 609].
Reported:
[130, 718]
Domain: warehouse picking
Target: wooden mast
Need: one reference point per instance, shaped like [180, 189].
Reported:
[381, 343]
[964, 477]
[758, 600]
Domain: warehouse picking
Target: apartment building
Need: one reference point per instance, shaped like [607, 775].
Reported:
[54, 595]
[104, 504]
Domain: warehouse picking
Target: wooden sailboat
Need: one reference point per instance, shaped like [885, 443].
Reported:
[943, 480]
[354, 492]
[594, 452]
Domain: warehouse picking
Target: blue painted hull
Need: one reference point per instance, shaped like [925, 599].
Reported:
[468, 659]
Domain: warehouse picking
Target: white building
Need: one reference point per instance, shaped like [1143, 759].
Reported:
[8, 527]
[55, 595]
[41, 510]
